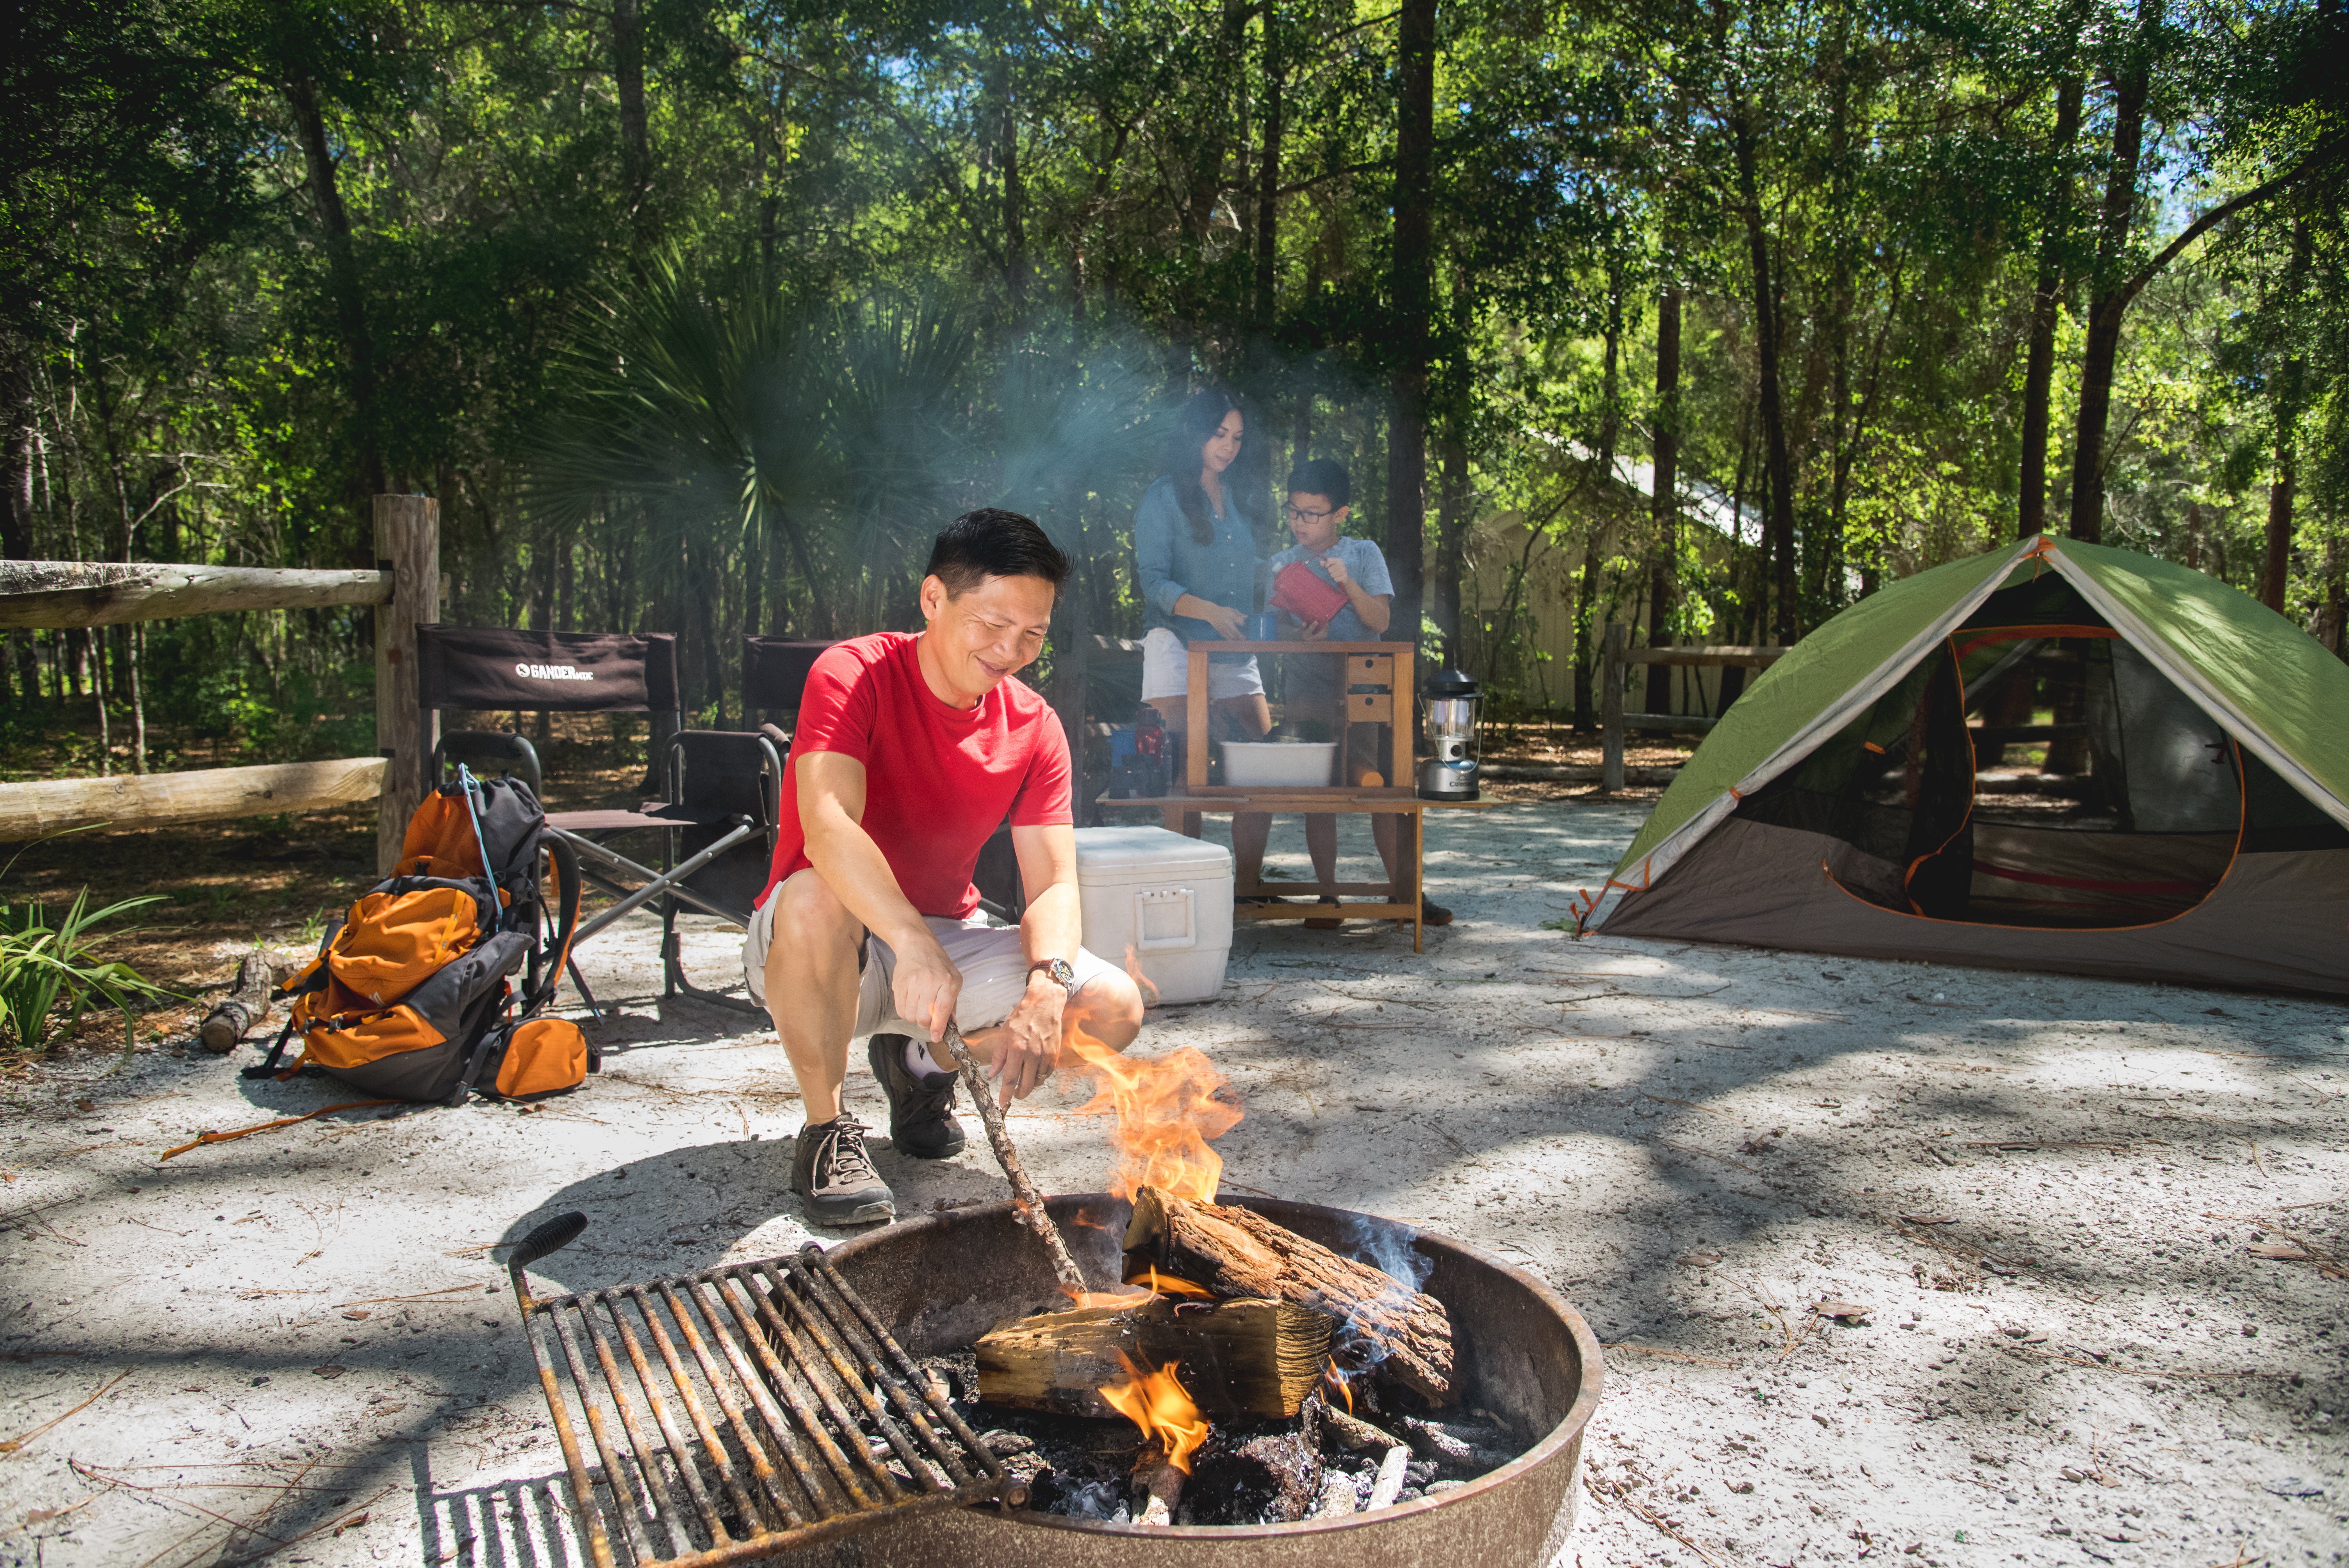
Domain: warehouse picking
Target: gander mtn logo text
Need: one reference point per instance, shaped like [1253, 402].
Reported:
[554, 672]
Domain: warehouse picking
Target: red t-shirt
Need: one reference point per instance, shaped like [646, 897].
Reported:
[938, 780]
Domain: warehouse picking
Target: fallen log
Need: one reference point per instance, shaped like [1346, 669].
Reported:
[1255, 1357]
[1235, 1251]
[243, 1010]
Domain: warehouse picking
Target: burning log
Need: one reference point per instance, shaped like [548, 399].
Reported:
[1238, 1253]
[1255, 1357]
[1157, 1402]
[1338, 1498]
[1162, 1489]
[1460, 1450]
[1274, 1475]
[1356, 1433]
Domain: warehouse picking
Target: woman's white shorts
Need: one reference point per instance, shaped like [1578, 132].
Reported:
[1166, 671]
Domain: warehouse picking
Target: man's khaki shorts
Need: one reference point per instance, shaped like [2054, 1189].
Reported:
[992, 959]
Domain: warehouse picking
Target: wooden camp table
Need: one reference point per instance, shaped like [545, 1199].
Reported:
[1385, 669]
[1182, 814]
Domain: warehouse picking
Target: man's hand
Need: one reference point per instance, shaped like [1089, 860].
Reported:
[1030, 1040]
[1312, 631]
[925, 986]
[1335, 565]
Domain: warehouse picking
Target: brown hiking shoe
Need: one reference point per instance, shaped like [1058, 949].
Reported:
[921, 1105]
[831, 1170]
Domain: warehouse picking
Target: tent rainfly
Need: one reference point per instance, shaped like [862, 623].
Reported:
[2189, 821]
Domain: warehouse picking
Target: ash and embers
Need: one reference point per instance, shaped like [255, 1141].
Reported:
[1322, 1463]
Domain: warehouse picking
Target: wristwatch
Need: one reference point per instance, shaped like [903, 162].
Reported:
[1062, 973]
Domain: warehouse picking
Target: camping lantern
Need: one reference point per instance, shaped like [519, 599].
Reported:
[1449, 705]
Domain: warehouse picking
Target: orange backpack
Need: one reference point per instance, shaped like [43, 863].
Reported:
[410, 996]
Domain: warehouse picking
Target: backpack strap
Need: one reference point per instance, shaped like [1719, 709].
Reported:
[268, 1068]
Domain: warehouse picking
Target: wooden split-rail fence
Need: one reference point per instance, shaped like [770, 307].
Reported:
[1620, 656]
[404, 589]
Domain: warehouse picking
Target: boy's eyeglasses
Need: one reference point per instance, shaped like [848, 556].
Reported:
[1298, 514]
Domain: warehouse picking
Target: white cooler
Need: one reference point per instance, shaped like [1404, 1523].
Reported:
[1167, 897]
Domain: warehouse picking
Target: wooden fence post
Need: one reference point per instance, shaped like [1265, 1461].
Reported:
[1610, 708]
[407, 545]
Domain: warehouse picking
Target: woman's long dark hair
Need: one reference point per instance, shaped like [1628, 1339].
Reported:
[1201, 417]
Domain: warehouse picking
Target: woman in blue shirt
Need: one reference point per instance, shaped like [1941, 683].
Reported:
[1194, 561]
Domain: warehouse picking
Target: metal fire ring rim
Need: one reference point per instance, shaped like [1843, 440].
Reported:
[1569, 1428]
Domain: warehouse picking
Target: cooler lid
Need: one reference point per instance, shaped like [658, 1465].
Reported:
[1153, 852]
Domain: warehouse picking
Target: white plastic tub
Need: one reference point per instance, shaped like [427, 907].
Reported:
[1165, 897]
[1269, 762]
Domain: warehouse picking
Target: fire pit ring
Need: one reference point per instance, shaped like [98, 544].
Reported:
[942, 1280]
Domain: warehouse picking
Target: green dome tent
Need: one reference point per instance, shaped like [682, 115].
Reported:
[1838, 808]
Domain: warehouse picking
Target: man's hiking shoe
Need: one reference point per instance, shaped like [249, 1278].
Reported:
[1433, 913]
[1325, 923]
[831, 1170]
[921, 1105]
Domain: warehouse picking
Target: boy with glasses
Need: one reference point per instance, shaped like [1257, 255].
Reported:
[1319, 498]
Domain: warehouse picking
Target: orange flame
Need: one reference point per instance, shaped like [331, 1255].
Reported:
[1080, 1299]
[1157, 1284]
[1167, 1111]
[1345, 1386]
[1156, 1402]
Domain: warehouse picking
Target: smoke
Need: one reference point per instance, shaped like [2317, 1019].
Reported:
[1388, 1245]
[1394, 1249]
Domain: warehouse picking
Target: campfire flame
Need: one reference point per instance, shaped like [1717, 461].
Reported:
[1080, 1299]
[1344, 1385]
[1156, 1402]
[1157, 1284]
[1167, 1111]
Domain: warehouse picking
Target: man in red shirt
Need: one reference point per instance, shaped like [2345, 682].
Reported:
[911, 750]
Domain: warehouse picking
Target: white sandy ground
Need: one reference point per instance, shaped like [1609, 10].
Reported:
[2085, 1362]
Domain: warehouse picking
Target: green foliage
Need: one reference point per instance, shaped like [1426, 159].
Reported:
[43, 965]
[724, 369]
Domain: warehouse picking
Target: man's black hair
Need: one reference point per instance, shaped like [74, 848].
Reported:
[1322, 476]
[993, 543]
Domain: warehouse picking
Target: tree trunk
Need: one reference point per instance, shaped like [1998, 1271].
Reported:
[2131, 83]
[1777, 464]
[1452, 517]
[1663, 573]
[2039, 363]
[16, 420]
[1265, 304]
[1414, 197]
[2275, 572]
[628, 85]
[2335, 632]
[1586, 601]
[342, 266]
[1015, 233]
[1072, 643]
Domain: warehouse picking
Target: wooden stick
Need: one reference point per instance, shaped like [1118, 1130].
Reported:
[1389, 1486]
[245, 1007]
[1027, 1202]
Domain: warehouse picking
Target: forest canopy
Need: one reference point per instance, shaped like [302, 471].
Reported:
[701, 317]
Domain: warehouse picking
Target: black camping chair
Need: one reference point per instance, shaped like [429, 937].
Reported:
[721, 792]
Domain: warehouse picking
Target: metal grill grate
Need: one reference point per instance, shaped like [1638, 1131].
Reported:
[822, 1425]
